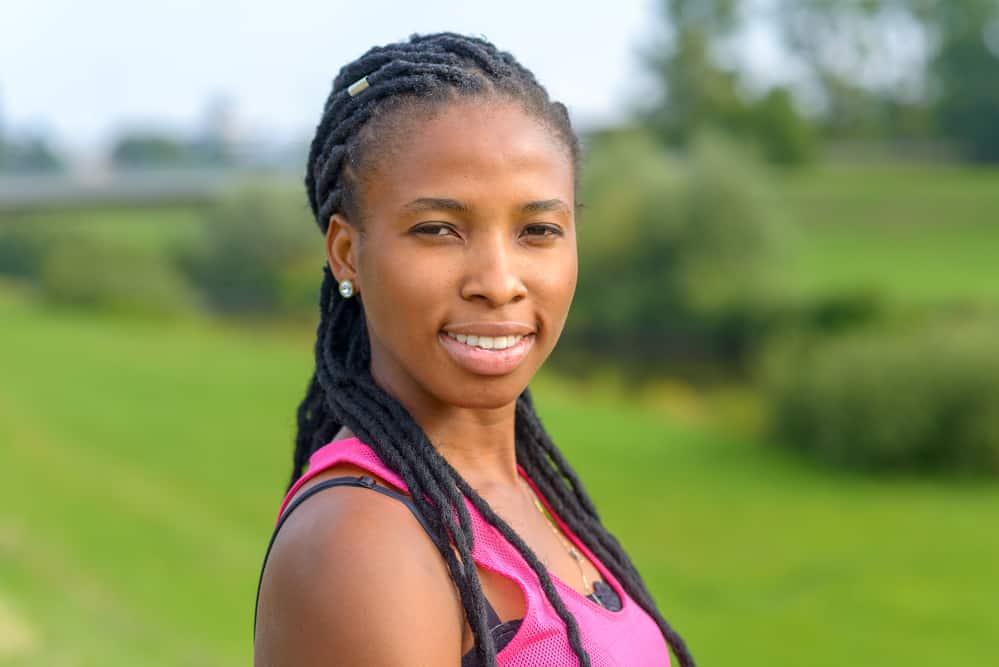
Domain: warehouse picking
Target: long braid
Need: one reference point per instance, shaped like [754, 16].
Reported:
[425, 72]
[533, 440]
[361, 405]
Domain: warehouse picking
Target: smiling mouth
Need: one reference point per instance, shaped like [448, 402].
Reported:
[487, 342]
[487, 355]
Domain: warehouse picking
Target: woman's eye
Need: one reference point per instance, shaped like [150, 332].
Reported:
[435, 230]
[543, 231]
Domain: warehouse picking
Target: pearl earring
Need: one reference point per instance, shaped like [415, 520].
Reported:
[346, 289]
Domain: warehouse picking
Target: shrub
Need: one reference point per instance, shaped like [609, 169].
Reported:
[841, 311]
[81, 270]
[680, 258]
[925, 398]
[22, 247]
[256, 239]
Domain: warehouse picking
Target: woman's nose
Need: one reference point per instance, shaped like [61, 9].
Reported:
[492, 271]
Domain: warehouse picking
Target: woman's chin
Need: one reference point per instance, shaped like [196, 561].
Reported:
[485, 394]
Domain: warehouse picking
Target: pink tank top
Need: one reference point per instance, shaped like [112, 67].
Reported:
[625, 638]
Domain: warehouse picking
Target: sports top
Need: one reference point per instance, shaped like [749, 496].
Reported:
[622, 634]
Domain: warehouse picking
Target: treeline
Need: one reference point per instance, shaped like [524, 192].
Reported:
[877, 72]
[30, 154]
[918, 75]
[215, 143]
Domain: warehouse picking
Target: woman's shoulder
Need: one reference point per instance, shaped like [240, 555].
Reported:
[343, 469]
[352, 572]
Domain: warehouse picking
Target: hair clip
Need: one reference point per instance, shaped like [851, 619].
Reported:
[358, 87]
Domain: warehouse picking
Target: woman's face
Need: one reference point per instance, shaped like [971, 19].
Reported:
[468, 231]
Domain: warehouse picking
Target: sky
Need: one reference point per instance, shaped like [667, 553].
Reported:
[79, 71]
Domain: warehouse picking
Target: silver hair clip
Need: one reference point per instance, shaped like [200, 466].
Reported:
[358, 87]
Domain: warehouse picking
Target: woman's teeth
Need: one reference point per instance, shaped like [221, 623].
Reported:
[486, 342]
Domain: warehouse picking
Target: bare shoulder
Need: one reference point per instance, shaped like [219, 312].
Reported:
[352, 574]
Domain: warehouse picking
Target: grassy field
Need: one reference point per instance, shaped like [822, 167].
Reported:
[144, 227]
[141, 465]
[917, 234]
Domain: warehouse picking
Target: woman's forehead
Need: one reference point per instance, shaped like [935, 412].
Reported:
[467, 150]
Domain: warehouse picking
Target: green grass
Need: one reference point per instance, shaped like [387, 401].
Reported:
[918, 234]
[141, 465]
[144, 227]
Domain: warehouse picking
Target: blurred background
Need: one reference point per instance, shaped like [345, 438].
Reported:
[779, 380]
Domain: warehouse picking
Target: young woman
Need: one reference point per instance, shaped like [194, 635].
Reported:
[443, 178]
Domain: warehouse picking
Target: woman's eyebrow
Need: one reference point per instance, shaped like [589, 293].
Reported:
[545, 206]
[446, 204]
[436, 204]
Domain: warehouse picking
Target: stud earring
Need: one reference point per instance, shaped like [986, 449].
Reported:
[346, 289]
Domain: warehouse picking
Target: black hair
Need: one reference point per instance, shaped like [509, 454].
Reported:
[423, 74]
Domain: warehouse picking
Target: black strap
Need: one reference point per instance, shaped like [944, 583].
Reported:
[365, 481]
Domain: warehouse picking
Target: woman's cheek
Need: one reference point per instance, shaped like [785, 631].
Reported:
[561, 280]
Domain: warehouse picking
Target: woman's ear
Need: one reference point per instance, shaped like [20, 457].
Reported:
[342, 243]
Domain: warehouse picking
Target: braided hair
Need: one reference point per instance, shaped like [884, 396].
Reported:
[420, 75]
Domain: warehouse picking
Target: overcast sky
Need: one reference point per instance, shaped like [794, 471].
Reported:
[78, 69]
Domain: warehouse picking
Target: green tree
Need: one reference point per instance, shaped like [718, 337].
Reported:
[697, 93]
[30, 154]
[786, 137]
[145, 149]
[694, 90]
[838, 44]
[956, 76]
[966, 72]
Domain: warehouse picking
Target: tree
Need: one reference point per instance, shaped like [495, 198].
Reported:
[870, 88]
[786, 137]
[144, 149]
[965, 69]
[851, 68]
[697, 93]
[30, 154]
[694, 90]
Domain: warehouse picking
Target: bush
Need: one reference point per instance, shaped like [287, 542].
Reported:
[680, 258]
[883, 400]
[256, 241]
[841, 311]
[23, 246]
[80, 270]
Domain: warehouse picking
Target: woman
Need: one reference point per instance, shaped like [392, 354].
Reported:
[443, 178]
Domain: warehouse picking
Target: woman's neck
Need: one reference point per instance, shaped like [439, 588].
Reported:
[477, 444]
[480, 446]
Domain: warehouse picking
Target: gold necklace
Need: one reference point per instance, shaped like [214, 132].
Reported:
[573, 551]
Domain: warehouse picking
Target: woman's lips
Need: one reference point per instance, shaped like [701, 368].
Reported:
[487, 362]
